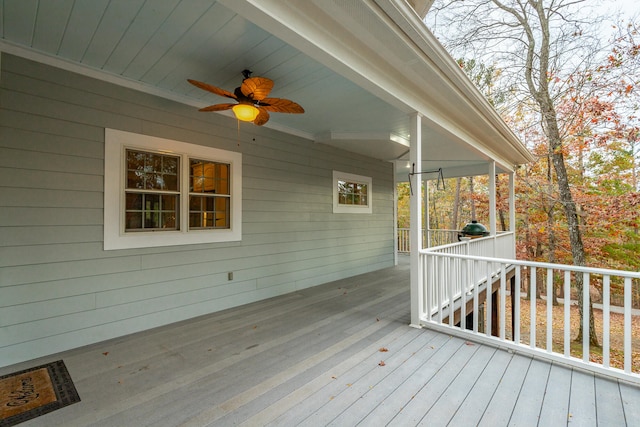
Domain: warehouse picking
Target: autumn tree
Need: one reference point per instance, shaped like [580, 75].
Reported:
[539, 44]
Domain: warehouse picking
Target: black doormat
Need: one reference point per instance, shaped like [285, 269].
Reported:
[35, 391]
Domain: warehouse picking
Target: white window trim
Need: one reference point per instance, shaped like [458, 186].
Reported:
[116, 142]
[358, 209]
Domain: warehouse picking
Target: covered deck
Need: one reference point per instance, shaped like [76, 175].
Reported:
[337, 354]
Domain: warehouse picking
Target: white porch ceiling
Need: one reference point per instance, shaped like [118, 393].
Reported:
[360, 68]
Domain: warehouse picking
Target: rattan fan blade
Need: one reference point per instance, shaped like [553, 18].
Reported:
[212, 89]
[281, 105]
[256, 88]
[218, 107]
[262, 118]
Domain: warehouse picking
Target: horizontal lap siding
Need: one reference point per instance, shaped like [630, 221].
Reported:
[59, 289]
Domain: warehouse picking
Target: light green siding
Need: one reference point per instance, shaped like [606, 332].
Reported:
[59, 289]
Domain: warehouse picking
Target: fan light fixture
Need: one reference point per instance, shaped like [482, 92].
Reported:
[245, 112]
[251, 97]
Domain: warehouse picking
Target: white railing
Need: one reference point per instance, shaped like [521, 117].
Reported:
[531, 326]
[430, 238]
[444, 284]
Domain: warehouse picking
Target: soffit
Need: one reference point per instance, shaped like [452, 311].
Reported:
[359, 68]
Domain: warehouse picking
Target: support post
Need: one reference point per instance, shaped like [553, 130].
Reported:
[512, 211]
[492, 197]
[416, 220]
[427, 219]
[512, 202]
[395, 216]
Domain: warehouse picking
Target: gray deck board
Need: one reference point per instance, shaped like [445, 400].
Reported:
[582, 404]
[630, 397]
[312, 358]
[471, 410]
[414, 410]
[609, 403]
[500, 408]
[456, 393]
[529, 404]
[555, 406]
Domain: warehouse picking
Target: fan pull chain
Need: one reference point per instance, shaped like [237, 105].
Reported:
[238, 137]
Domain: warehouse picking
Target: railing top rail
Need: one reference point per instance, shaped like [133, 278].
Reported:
[432, 229]
[575, 268]
[454, 244]
[450, 231]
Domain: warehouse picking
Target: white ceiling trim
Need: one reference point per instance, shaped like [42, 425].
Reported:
[364, 136]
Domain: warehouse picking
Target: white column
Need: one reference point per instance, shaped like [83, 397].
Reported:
[512, 202]
[512, 211]
[395, 216]
[427, 219]
[492, 198]
[416, 219]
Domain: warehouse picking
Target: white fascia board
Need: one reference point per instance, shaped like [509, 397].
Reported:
[403, 15]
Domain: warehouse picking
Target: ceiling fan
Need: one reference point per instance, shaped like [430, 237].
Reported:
[253, 104]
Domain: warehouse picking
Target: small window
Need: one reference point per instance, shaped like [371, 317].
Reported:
[351, 193]
[160, 192]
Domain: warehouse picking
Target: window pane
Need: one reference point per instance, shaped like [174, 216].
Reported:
[209, 212]
[135, 179]
[169, 203]
[351, 193]
[152, 171]
[152, 211]
[152, 219]
[133, 221]
[134, 201]
[209, 177]
[195, 220]
[222, 184]
[171, 182]
[152, 202]
[169, 220]
[170, 165]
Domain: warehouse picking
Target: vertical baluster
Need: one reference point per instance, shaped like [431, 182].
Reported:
[427, 278]
[627, 324]
[549, 310]
[503, 300]
[475, 296]
[463, 294]
[532, 315]
[606, 300]
[487, 300]
[567, 313]
[439, 279]
[454, 270]
[585, 317]
[516, 311]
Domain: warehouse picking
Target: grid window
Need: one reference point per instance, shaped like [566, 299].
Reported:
[152, 191]
[160, 192]
[209, 201]
[352, 193]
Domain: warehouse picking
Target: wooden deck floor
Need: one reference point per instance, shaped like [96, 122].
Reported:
[314, 358]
